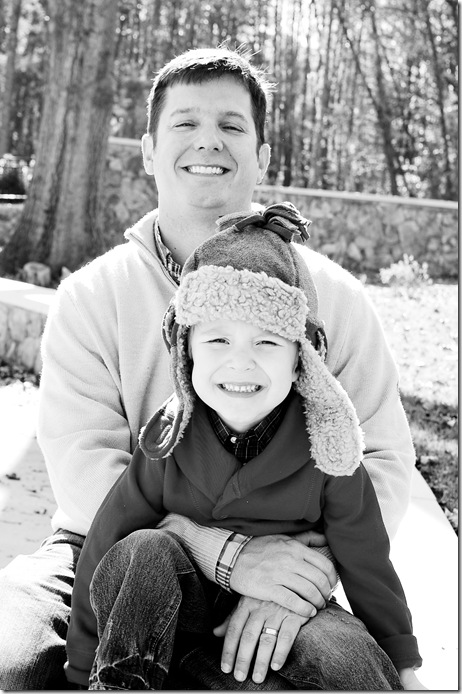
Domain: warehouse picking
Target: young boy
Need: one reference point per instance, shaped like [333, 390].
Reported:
[258, 438]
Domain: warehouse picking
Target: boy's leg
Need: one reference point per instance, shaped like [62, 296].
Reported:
[147, 596]
[335, 652]
[199, 664]
[35, 599]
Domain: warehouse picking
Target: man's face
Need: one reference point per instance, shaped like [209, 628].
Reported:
[206, 151]
[241, 371]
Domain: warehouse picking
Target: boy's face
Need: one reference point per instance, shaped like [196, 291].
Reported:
[241, 371]
[206, 148]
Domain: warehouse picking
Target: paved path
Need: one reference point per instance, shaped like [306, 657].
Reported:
[424, 552]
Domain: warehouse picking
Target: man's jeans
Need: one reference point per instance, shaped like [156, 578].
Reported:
[35, 598]
[154, 611]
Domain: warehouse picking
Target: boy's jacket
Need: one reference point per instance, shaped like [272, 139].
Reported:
[279, 491]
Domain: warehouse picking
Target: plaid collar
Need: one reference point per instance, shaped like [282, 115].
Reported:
[173, 268]
[251, 443]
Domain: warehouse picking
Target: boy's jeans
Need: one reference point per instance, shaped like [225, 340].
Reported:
[154, 610]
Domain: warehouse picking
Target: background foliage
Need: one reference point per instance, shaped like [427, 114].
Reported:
[367, 90]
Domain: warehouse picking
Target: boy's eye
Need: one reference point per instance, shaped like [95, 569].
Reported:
[217, 340]
[268, 342]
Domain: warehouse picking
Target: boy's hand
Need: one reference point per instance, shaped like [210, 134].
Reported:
[244, 638]
[409, 680]
[287, 571]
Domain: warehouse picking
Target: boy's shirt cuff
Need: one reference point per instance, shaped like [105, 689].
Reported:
[228, 557]
[214, 550]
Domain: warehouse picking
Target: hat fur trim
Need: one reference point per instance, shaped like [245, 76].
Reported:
[216, 293]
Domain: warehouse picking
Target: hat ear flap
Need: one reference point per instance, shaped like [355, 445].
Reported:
[179, 407]
[170, 326]
[337, 441]
[317, 336]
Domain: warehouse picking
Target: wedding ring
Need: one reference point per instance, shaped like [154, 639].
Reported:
[268, 630]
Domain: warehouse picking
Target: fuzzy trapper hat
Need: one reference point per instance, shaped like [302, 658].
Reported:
[250, 271]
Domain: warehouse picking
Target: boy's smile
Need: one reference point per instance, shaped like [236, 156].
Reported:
[240, 388]
[240, 370]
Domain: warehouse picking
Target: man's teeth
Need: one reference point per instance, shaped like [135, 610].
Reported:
[208, 170]
[236, 388]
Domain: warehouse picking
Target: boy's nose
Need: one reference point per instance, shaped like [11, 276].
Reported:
[241, 360]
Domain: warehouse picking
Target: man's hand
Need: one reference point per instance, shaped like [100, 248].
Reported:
[243, 637]
[285, 570]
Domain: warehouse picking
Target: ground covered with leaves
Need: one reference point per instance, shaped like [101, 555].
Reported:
[421, 327]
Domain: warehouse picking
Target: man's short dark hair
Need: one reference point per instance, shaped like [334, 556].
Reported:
[205, 64]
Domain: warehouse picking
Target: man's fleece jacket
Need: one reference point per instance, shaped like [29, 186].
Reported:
[106, 370]
[279, 491]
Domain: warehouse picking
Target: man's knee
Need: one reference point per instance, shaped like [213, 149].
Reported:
[32, 635]
[336, 652]
[34, 613]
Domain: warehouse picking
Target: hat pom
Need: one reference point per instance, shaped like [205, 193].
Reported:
[283, 218]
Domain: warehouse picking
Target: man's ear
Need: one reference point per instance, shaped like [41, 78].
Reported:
[147, 147]
[264, 156]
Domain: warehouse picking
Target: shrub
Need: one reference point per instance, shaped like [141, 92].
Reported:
[406, 274]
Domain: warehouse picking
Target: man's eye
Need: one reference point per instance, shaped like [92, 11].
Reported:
[186, 124]
[232, 127]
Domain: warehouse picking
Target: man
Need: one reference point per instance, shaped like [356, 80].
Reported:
[105, 371]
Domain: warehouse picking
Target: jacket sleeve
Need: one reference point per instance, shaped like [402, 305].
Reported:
[82, 428]
[134, 502]
[357, 537]
[361, 360]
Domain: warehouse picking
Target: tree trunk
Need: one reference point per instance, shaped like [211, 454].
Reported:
[448, 191]
[62, 222]
[378, 100]
[317, 164]
[290, 94]
[7, 91]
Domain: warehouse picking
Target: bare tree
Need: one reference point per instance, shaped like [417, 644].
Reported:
[440, 98]
[7, 90]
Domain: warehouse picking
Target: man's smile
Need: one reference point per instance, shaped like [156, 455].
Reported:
[203, 170]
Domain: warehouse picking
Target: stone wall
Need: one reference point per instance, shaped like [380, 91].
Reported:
[130, 193]
[361, 232]
[20, 336]
[368, 232]
[23, 311]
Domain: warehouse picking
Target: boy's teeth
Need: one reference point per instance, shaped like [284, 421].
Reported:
[236, 388]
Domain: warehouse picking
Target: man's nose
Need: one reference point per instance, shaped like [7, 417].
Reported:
[208, 138]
